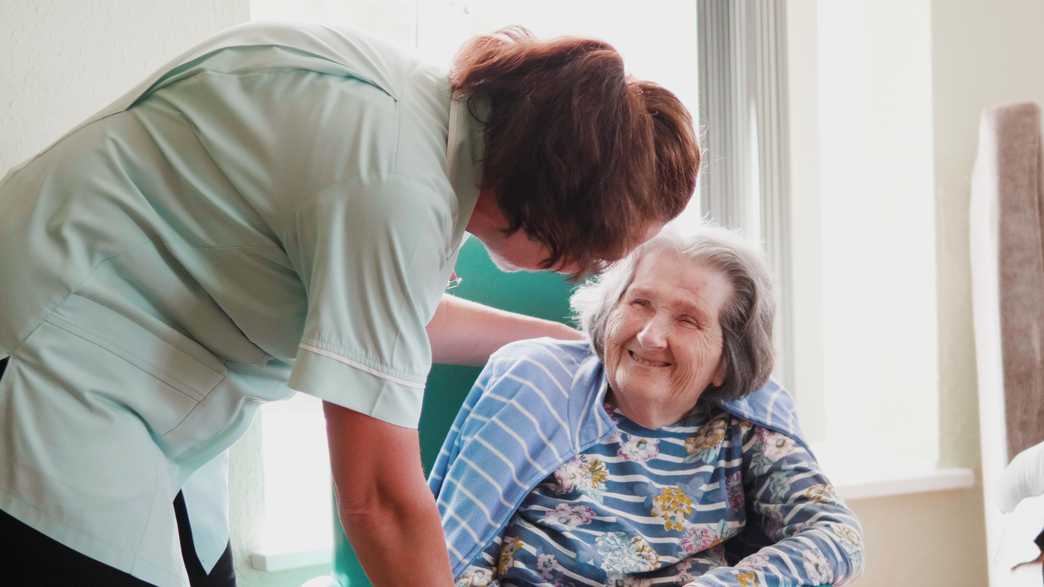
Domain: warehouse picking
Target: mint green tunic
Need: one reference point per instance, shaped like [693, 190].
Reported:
[278, 210]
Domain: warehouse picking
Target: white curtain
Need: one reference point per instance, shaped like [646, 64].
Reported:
[743, 117]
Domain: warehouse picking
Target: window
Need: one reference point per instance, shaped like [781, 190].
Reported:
[863, 210]
[819, 133]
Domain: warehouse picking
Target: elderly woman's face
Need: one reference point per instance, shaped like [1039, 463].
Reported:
[663, 341]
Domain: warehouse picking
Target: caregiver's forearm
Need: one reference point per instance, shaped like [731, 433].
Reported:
[467, 333]
[400, 543]
[384, 503]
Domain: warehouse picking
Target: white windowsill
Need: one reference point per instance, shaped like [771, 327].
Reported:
[273, 561]
[906, 483]
[850, 488]
[859, 472]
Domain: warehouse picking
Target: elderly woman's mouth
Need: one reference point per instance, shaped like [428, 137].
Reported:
[646, 362]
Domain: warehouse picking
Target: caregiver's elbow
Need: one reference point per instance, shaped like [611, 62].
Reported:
[380, 499]
[375, 465]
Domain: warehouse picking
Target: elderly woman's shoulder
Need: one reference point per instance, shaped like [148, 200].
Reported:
[770, 406]
[529, 368]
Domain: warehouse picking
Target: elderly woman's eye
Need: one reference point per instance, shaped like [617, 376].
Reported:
[640, 303]
[690, 321]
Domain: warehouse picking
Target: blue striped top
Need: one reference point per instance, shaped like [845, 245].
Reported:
[538, 484]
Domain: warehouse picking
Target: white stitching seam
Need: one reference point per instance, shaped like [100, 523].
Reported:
[361, 367]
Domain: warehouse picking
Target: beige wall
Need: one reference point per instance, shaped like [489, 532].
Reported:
[923, 540]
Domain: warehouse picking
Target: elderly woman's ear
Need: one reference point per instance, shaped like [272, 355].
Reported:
[719, 374]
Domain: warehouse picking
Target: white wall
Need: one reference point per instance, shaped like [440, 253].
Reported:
[63, 60]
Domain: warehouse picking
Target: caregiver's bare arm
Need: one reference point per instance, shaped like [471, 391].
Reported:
[383, 500]
[466, 333]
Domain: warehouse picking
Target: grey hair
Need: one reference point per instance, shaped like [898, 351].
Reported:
[746, 319]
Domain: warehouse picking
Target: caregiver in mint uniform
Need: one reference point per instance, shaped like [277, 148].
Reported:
[280, 210]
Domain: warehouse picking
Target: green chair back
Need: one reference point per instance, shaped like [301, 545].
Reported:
[545, 295]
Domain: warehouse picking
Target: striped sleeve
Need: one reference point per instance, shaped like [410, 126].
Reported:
[510, 433]
[451, 445]
[815, 539]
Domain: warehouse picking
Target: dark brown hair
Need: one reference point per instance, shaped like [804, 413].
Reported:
[580, 156]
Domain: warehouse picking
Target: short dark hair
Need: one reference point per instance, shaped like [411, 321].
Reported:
[580, 156]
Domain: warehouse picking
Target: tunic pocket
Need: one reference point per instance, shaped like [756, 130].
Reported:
[179, 373]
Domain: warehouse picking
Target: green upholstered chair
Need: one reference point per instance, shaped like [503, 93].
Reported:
[545, 295]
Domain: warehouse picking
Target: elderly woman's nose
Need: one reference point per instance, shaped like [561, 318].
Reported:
[654, 332]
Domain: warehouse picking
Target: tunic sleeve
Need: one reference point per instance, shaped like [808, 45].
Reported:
[371, 255]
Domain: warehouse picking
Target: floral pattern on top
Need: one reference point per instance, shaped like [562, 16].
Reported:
[570, 515]
[673, 506]
[475, 577]
[547, 566]
[626, 512]
[773, 447]
[639, 449]
[705, 444]
[700, 537]
[748, 579]
[506, 560]
[586, 474]
[621, 554]
[821, 493]
[851, 540]
[734, 490]
[817, 568]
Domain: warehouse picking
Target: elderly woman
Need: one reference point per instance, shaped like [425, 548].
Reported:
[662, 455]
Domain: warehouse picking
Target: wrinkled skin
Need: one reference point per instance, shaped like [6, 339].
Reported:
[663, 342]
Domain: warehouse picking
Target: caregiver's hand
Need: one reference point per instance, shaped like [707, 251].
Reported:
[384, 503]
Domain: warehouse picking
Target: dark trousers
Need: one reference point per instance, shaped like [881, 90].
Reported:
[27, 557]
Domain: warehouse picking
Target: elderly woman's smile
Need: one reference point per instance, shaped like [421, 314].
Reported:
[663, 343]
[646, 362]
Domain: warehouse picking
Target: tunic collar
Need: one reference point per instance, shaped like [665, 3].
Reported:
[465, 147]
